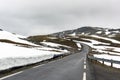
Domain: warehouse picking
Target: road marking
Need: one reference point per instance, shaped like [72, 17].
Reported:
[84, 76]
[85, 67]
[84, 62]
[38, 66]
[10, 75]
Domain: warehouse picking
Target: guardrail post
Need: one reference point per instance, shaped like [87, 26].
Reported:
[111, 63]
[103, 62]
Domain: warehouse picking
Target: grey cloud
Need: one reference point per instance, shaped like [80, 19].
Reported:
[48, 16]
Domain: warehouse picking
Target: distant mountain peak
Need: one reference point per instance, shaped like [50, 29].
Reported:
[1, 30]
[89, 31]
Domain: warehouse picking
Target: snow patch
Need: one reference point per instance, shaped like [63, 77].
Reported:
[14, 37]
[112, 40]
[53, 44]
[74, 34]
[99, 32]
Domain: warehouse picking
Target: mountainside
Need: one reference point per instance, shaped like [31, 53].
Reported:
[16, 50]
[111, 33]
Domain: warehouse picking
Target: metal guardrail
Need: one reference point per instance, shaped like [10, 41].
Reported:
[103, 60]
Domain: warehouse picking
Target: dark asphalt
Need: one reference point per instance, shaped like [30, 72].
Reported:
[68, 68]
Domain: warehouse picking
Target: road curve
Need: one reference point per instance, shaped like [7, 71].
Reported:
[69, 68]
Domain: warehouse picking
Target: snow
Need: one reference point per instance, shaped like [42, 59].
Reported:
[106, 56]
[20, 36]
[78, 44]
[109, 57]
[102, 48]
[112, 40]
[107, 52]
[51, 49]
[73, 34]
[14, 37]
[11, 55]
[116, 31]
[82, 33]
[107, 32]
[96, 42]
[53, 44]
[112, 35]
[99, 32]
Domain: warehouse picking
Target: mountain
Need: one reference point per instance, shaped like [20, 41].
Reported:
[104, 35]
[87, 30]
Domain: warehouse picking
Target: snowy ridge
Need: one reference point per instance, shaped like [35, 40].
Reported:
[14, 37]
[88, 30]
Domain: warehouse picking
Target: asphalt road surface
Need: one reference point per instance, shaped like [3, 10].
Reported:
[73, 67]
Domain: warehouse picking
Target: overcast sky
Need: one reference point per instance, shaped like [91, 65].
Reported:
[31, 17]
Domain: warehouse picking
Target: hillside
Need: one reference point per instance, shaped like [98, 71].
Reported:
[16, 50]
[87, 30]
[105, 43]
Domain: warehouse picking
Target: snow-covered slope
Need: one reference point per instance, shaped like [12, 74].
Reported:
[4, 35]
[88, 30]
[104, 50]
[12, 55]
[51, 44]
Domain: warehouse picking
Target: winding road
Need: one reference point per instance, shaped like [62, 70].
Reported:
[72, 67]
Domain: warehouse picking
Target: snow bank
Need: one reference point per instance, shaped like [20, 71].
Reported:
[106, 56]
[7, 63]
[11, 55]
[78, 44]
[109, 57]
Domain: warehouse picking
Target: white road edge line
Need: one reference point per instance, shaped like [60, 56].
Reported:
[10, 75]
[84, 73]
[85, 67]
[38, 66]
[84, 61]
